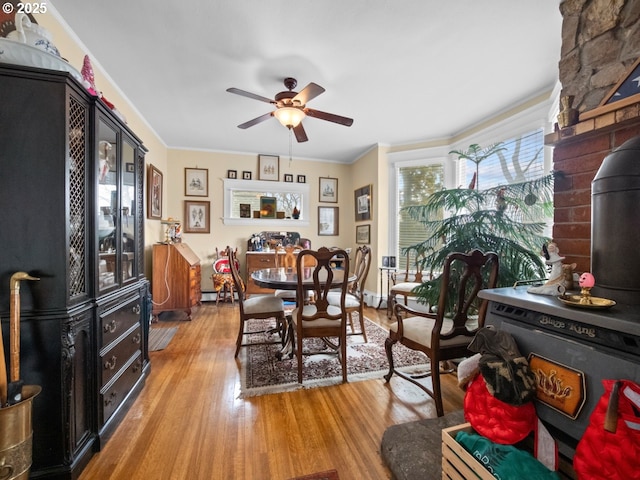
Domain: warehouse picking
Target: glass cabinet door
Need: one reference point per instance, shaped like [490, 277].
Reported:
[107, 202]
[128, 211]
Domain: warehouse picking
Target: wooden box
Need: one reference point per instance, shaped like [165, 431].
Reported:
[457, 463]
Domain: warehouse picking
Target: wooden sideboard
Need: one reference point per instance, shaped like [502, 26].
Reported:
[257, 261]
[176, 279]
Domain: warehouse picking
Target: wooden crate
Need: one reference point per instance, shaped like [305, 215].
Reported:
[457, 463]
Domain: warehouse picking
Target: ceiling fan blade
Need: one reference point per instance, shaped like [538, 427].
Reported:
[244, 93]
[309, 92]
[301, 135]
[330, 117]
[256, 120]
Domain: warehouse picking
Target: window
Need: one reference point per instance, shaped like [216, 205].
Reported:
[240, 193]
[523, 159]
[415, 184]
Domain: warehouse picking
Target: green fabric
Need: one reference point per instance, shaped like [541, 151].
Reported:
[505, 462]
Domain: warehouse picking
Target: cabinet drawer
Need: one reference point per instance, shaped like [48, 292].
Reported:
[114, 322]
[256, 261]
[112, 396]
[113, 359]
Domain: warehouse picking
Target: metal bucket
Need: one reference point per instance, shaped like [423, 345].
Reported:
[16, 435]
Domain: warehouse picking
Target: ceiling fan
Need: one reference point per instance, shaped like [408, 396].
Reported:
[291, 108]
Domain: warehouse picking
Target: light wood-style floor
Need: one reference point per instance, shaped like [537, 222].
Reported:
[188, 422]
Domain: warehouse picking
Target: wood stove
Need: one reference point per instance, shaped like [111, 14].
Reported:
[602, 344]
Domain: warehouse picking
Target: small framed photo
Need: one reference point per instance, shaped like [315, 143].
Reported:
[362, 198]
[196, 182]
[268, 207]
[302, 179]
[288, 177]
[130, 167]
[388, 262]
[154, 193]
[246, 175]
[329, 190]
[269, 167]
[196, 217]
[232, 174]
[245, 210]
[328, 220]
[363, 234]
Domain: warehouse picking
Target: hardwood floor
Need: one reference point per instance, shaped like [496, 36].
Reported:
[188, 422]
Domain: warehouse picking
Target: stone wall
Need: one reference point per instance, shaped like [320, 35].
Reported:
[600, 42]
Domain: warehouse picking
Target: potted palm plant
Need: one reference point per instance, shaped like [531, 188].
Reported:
[507, 219]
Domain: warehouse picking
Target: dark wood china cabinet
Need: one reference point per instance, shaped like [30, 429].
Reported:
[71, 191]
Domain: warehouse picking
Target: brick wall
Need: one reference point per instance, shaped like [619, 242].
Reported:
[577, 157]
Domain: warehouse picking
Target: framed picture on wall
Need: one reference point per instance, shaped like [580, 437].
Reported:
[246, 175]
[363, 234]
[268, 207]
[288, 177]
[328, 220]
[154, 193]
[362, 198]
[196, 217]
[232, 174]
[328, 190]
[196, 182]
[269, 167]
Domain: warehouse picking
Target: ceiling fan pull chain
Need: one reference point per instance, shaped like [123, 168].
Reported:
[290, 145]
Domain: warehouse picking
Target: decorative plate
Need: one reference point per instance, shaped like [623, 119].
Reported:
[596, 302]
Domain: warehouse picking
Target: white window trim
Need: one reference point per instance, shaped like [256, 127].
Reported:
[261, 186]
[540, 115]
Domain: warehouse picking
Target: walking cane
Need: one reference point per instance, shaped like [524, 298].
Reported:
[14, 388]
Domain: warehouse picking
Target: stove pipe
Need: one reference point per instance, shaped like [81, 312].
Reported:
[615, 225]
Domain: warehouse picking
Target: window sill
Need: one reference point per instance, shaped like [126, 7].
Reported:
[287, 223]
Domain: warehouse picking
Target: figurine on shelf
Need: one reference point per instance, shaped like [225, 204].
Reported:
[560, 275]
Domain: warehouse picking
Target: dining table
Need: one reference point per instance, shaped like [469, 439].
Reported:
[284, 278]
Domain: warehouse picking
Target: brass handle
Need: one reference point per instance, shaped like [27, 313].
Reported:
[110, 327]
[111, 363]
[111, 399]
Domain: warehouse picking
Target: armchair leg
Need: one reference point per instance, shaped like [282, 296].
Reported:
[388, 347]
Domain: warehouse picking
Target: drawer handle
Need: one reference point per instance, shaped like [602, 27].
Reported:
[136, 309]
[110, 327]
[136, 367]
[136, 338]
[111, 363]
[264, 260]
[111, 399]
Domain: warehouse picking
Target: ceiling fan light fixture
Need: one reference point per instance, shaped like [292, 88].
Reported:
[289, 117]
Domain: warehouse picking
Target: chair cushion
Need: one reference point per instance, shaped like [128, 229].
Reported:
[220, 280]
[350, 301]
[309, 310]
[418, 329]
[404, 287]
[262, 304]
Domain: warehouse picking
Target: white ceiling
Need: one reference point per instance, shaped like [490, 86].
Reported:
[406, 71]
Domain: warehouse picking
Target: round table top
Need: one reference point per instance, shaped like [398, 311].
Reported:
[287, 279]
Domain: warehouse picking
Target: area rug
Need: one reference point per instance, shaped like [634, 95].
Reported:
[159, 337]
[328, 475]
[262, 373]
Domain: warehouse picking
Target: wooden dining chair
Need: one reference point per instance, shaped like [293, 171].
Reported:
[256, 307]
[354, 301]
[221, 277]
[405, 282]
[320, 319]
[286, 258]
[445, 334]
